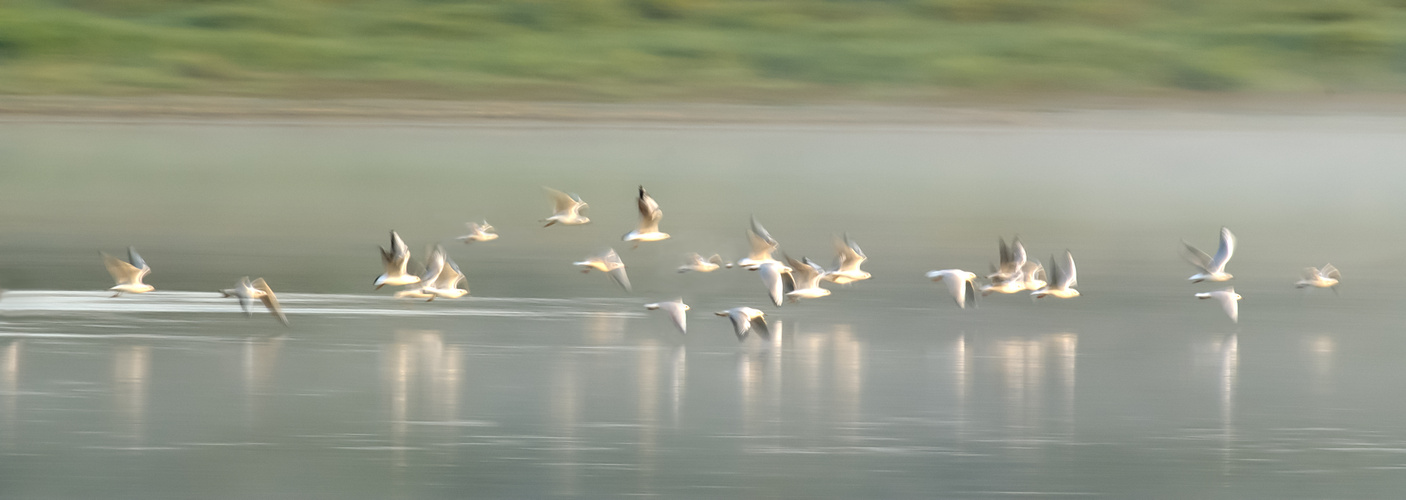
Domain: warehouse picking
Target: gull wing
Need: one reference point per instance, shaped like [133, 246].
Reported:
[122, 272]
[1310, 273]
[449, 275]
[676, 312]
[771, 278]
[850, 254]
[561, 202]
[1070, 276]
[649, 213]
[740, 323]
[970, 289]
[803, 273]
[241, 290]
[716, 259]
[758, 324]
[270, 300]
[1227, 301]
[1196, 257]
[433, 267]
[1331, 272]
[958, 288]
[762, 242]
[618, 274]
[136, 259]
[1227, 248]
[1017, 253]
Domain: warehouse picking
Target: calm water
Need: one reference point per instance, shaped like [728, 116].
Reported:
[548, 382]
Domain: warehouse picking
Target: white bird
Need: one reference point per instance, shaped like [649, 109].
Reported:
[610, 264]
[1212, 268]
[746, 320]
[961, 284]
[804, 280]
[1063, 279]
[478, 232]
[771, 277]
[847, 266]
[695, 262]
[247, 291]
[1033, 275]
[434, 266]
[762, 246]
[128, 274]
[1228, 299]
[566, 209]
[1012, 263]
[650, 214]
[1320, 278]
[676, 310]
[395, 260]
[446, 285]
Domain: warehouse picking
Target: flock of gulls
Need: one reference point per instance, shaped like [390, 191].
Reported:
[787, 280]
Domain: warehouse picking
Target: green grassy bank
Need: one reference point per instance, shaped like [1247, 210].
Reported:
[743, 50]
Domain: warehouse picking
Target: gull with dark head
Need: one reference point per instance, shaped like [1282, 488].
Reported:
[847, 264]
[804, 280]
[961, 284]
[695, 262]
[762, 245]
[675, 309]
[566, 209]
[395, 260]
[650, 214]
[1212, 268]
[746, 320]
[128, 274]
[1229, 300]
[1062, 279]
[478, 232]
[246, 291]
[1320, 278]
[608, 263]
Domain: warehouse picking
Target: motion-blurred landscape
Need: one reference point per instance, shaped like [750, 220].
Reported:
[698, 50]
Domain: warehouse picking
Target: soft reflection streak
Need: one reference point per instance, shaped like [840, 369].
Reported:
[9, 390]
[1230, 367]
[260, 357]
[1322, 349]
[565, 413]
[679, 382]
[130, 374]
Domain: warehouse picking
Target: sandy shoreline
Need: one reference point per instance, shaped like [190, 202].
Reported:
[1231, 111]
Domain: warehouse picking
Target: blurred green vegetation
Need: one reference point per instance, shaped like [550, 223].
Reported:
[748, 50]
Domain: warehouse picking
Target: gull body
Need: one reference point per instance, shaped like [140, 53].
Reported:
[847, 267]
[434, 265]
[961, 284]
[610, 264]
[1012, 263]
[446, 285]
[650, 214]
[478, 232]
[695, 262]
[1320, 278]
[1034, 275]
[676, 309]
[1229, 300]
[566, 209]
[1063, 279]
[771, 273]
[395, 260]
[1212, 268]
[746, 320]
[246, 291]
[804, 279]
[128, 274]
[762, 245]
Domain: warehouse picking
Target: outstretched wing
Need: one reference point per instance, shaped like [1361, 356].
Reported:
[270, 300]
[122, 272]
[1195, 256]
[1227, 248]
[1331, 272]
[135, 259]
[561, 201]
[649, 213]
